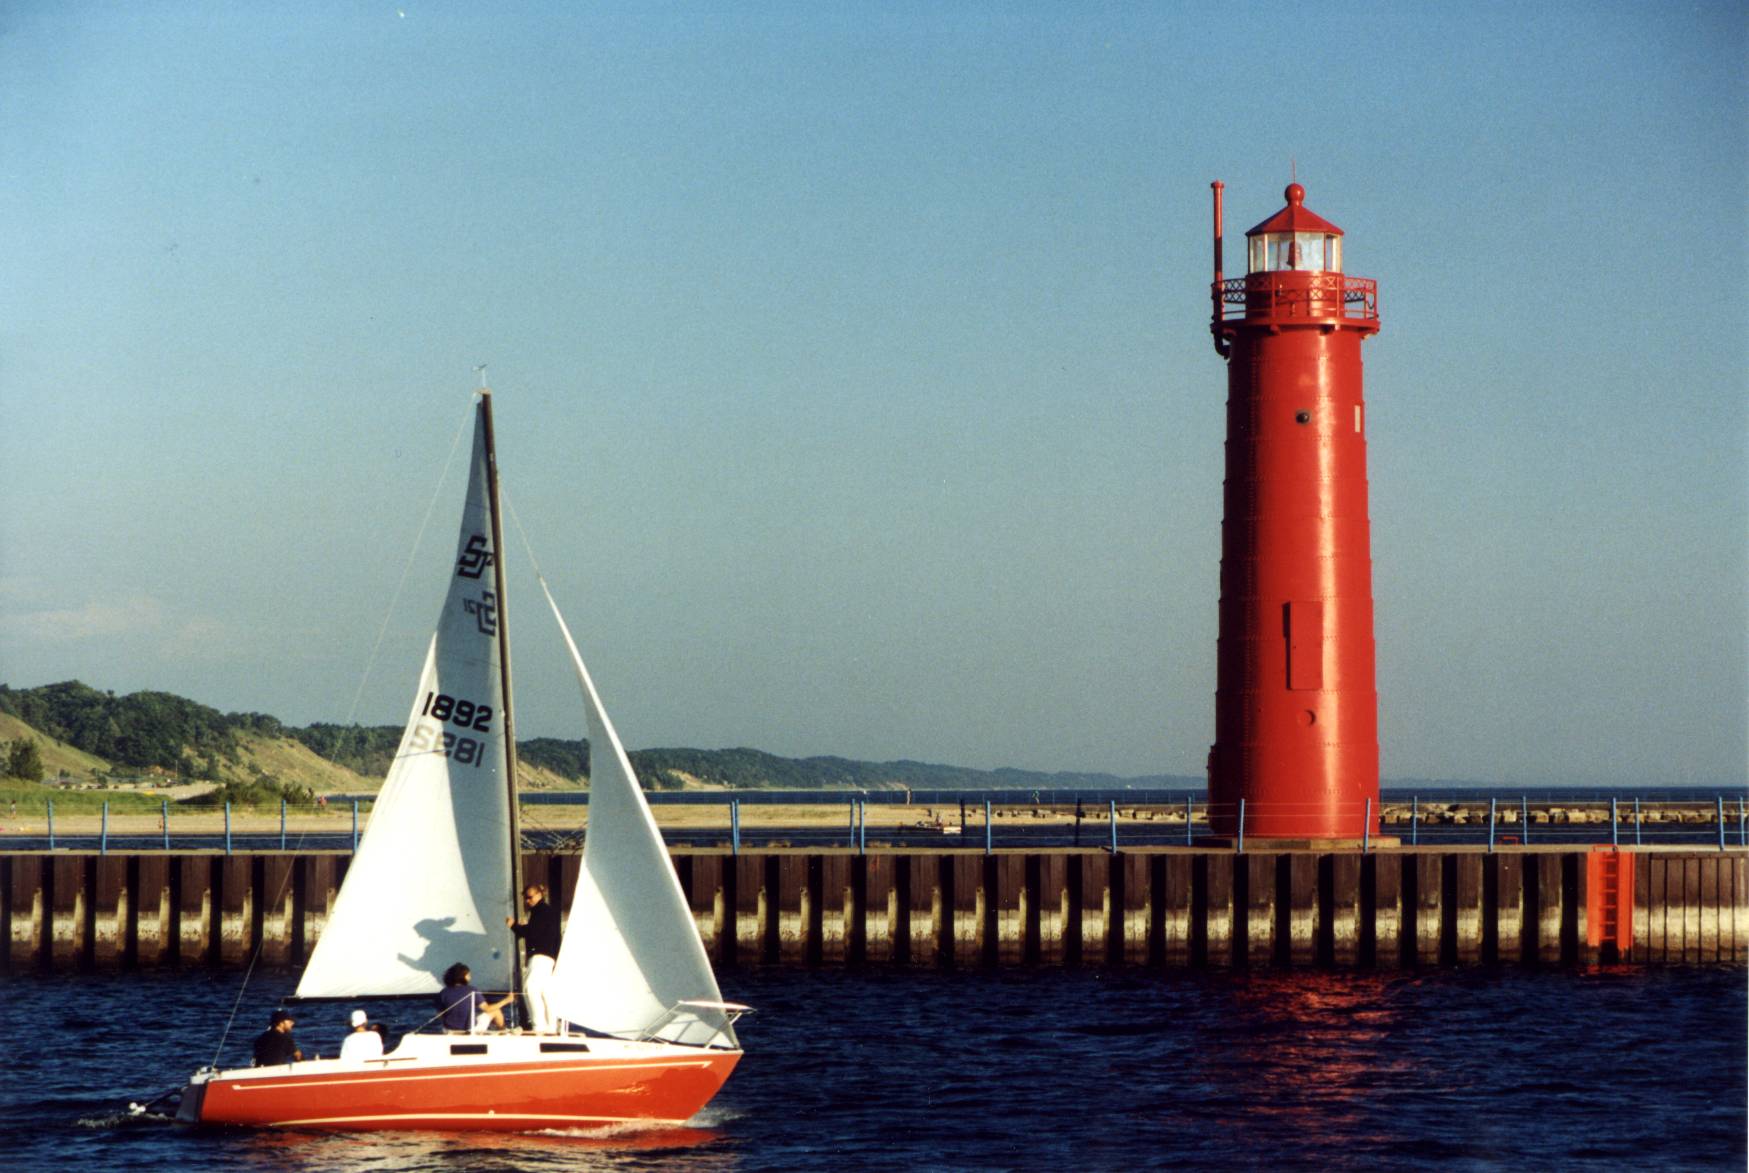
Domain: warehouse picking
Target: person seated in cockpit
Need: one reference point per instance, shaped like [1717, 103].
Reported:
[275, 1045]
[464, 1008]
[362, 1042]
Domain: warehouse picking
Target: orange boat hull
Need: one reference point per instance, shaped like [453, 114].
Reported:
[505, 1097]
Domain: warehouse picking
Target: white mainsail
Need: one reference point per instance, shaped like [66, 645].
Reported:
[430, 884]
[631, 950]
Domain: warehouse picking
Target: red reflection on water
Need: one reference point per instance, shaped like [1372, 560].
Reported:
[1313, 1043]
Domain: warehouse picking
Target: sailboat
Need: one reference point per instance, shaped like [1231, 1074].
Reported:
[642, 1031]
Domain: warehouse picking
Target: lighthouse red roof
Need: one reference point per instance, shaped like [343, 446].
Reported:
[1296, 217]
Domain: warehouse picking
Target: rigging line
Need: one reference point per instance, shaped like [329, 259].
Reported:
[260, 944]
[407, 569]
[352, 710]
[527, 546]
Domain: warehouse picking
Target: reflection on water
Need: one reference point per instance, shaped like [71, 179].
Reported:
[1312, 1045]
[613, 1146]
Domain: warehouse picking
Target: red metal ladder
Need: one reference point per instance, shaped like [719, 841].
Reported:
[1609, 899]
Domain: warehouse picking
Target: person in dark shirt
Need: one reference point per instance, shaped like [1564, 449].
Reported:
[541, 934]
[275, 1045]
[464, 1008]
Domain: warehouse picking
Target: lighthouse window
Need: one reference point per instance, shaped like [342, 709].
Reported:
[1313, 250]
[1277, 251]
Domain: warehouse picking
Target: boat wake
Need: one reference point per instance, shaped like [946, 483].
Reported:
[126, 1118]
[642, 1135]
[714, 1116]
[151, 1113]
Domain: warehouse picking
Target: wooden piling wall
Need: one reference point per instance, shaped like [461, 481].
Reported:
[1174, 908]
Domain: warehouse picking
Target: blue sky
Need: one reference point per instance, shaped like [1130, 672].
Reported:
[852, 367]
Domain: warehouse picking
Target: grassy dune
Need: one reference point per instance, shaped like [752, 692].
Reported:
[293, 762]
[58, 756]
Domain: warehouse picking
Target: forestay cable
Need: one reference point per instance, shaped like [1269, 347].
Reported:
[436, 493]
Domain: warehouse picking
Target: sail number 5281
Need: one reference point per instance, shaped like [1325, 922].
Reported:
[455, 711]
[428, 737]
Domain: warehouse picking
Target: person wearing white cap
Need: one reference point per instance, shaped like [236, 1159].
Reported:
[363, 1042]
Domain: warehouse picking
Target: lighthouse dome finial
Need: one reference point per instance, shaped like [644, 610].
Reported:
[1295, 194]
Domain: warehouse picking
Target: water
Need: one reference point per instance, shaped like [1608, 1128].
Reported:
[1016, 1069]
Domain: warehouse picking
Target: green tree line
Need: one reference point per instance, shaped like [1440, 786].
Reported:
[142, 729]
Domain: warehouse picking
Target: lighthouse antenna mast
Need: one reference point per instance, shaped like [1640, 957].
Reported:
[1222, 346]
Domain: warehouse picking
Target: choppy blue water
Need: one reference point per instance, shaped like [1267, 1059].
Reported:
[1009, 1070]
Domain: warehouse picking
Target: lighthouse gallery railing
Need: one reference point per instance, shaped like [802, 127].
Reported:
[1292, 294]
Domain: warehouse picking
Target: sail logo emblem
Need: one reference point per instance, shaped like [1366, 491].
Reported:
[476, 556]
[484, 610]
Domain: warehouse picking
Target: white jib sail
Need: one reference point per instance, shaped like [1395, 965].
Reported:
[631, 950]
[430, 883]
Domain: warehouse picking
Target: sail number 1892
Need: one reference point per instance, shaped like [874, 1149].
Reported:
[440, 706]
[455, 711]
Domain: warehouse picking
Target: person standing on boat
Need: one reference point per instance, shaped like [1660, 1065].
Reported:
[463, 1008]
[275, 1045]
[541, 934]
[362, 1042]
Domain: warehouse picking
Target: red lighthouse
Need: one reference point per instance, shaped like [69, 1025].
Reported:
[1296, 706]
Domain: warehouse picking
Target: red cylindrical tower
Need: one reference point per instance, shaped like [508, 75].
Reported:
[1296, 706]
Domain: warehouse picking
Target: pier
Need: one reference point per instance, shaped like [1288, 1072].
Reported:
[1384, 908]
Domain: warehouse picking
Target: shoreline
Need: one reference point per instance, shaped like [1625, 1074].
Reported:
[338, 817]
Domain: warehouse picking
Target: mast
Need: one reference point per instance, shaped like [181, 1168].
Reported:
[504, 673]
